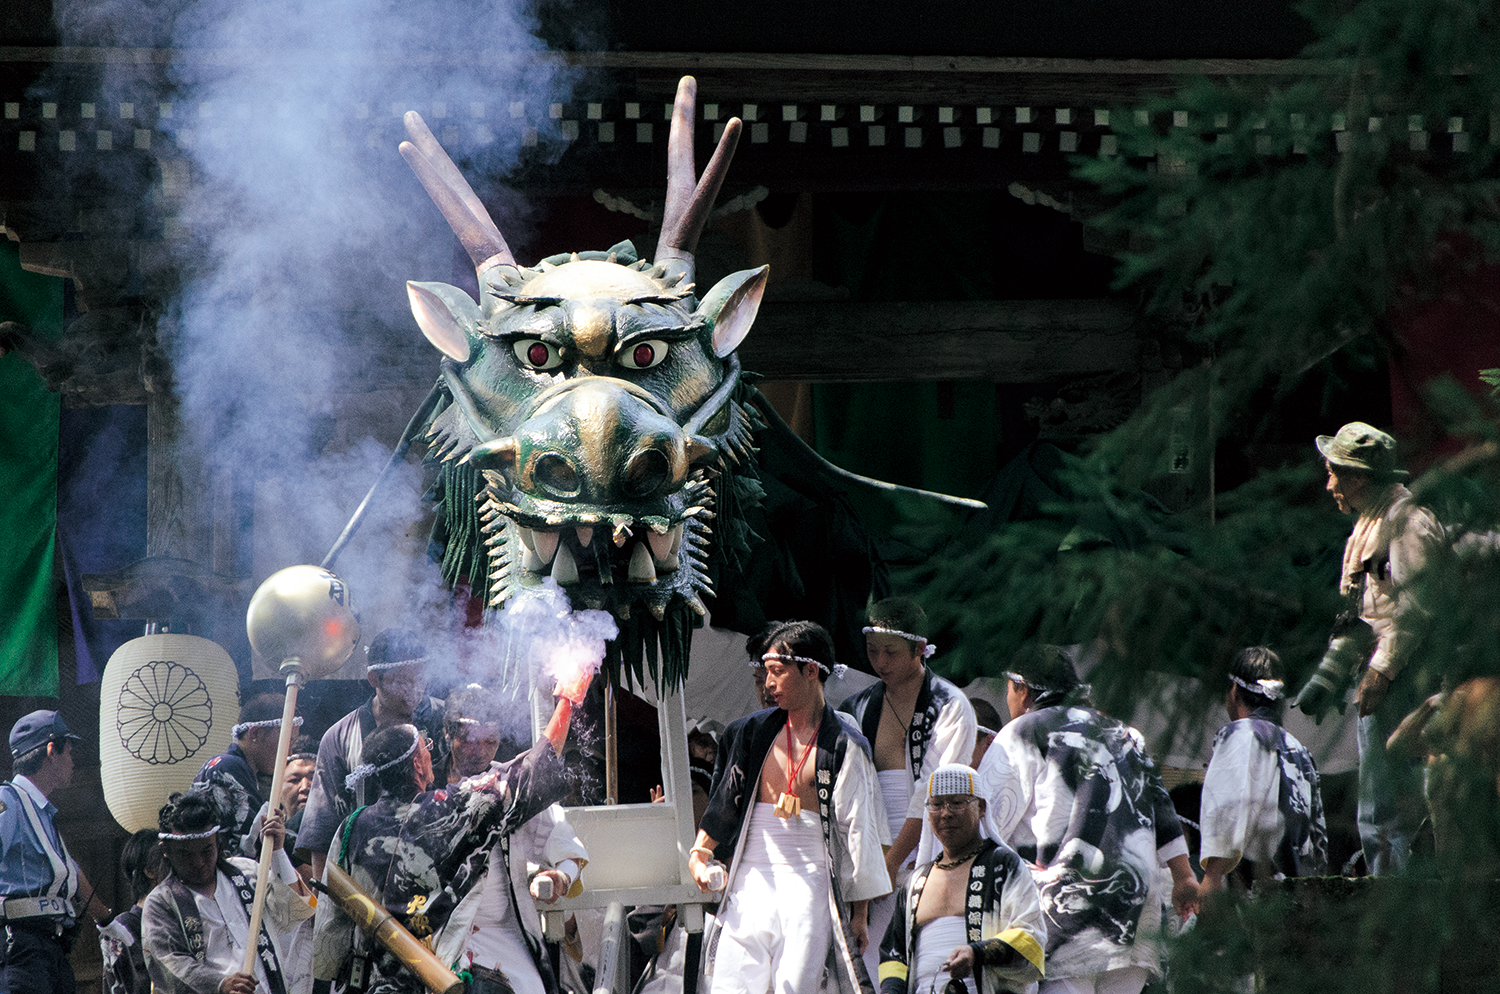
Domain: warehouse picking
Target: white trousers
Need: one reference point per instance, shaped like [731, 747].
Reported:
[1126, 980]
[935, 943]
[776, 926]
[895, 791]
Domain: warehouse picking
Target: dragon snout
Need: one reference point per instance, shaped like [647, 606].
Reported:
[597, 444]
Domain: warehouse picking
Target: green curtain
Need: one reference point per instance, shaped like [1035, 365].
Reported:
[29, 415]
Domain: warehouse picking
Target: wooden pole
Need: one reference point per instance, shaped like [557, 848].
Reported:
[611, 749]
[293, 670]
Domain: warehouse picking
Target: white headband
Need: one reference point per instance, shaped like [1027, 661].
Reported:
[185, 836]
[927, 650]
[370, 769]
[245, 726]
[382, 667]
[1015, 677]
[839, 669]
[1273, 689]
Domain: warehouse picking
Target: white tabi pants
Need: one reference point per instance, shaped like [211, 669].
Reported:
[895, 791]
[935, 943]
[776, 925]
[1126, 980]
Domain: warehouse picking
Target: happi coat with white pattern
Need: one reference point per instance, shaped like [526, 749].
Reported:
[1094, 817]
[1261, 801]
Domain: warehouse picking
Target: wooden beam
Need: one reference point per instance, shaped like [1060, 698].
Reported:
[791, 78]
[1004, 341]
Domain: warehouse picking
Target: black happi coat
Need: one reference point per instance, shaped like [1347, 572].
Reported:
[849, 808]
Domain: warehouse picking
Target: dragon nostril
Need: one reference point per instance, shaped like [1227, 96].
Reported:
[646, 473]
[557, 475]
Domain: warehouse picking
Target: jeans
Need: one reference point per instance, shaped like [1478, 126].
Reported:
[1391, 802]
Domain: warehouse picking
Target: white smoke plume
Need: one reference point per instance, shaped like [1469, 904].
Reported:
[297, 225]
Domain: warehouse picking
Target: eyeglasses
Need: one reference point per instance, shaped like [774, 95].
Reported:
[950, 804]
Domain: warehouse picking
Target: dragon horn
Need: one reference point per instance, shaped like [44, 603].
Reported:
[689, 201]
[454, 197]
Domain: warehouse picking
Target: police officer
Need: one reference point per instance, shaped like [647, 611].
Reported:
[38, 879]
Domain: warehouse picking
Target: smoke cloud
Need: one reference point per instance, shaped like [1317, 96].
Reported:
[298, 225]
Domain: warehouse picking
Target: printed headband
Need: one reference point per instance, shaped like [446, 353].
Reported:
[245, 726]
[370, 769]
[311, 757]
[950, 779]
[1273, 689]
[185, 836]
[927, 650]
[839, 669]
[382, 667]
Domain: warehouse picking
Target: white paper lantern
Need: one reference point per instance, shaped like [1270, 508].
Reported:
[166, 706]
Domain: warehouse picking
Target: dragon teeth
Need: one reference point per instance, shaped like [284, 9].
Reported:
[545, 544]
[661, 545]
[585, 535]
[564, 569]
[531, 563]
[526, 539]
[642, 570]
[676, 534]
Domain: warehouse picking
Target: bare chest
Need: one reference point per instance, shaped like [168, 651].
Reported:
[790, 771]
[944, 895]
[890, 736]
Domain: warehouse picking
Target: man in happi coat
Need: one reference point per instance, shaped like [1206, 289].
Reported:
[1094, 818]
[195, 925]
[1262, 813]
[795, 810]
[233, 776]
[396, 667]
[973, 909]
[915, 721]
[457, 867]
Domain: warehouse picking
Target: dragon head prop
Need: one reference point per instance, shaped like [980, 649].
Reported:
[591, 418]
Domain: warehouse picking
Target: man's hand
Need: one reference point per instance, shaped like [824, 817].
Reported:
[658, 796]
[1214, 869]
[960, 963]
[859, 926]
[237, 983]
[1372, 690]
[274, 828]
[698, 866]
[1184, 886]
[560, 885]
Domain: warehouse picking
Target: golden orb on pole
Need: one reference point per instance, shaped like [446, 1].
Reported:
[303, 613]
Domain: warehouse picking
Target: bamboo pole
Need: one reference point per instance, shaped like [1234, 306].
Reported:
[293, 669]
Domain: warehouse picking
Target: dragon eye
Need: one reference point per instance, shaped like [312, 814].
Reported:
[644, 355]
[537, 354]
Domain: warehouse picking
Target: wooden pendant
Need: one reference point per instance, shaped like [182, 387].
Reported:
[790, 806]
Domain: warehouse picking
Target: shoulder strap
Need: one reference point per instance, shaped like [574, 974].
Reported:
[64, 871]
[344, 835]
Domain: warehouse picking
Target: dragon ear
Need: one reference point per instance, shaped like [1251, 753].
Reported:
[731, 306]
[444, 313]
